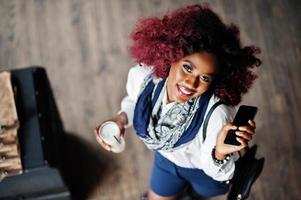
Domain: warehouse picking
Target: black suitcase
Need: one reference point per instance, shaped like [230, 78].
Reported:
[39, 135]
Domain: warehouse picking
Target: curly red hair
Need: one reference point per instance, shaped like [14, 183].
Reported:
[159, 42]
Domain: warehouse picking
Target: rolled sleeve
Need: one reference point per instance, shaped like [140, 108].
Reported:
[135, 79]
[223, 172]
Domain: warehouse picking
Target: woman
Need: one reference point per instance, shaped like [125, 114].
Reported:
[189, 60]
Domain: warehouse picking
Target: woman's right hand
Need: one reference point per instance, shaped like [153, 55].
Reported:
[100, 141]
[245, 134]
[121, 121]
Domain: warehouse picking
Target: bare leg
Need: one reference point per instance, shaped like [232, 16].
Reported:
[153, 196]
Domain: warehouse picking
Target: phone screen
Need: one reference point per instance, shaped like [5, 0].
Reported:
[243, 115]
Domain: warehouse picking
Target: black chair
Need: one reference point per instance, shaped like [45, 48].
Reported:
[40, 134]
[247, 170]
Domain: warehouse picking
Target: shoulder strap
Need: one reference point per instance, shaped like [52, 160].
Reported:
[208, 117]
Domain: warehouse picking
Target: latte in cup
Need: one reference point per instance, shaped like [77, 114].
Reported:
[110, 133]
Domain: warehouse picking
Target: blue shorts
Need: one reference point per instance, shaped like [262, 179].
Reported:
[169, 179]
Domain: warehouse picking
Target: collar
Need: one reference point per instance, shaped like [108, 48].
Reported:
[166, 106]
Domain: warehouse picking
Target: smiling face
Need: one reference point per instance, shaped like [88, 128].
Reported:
[190, 77]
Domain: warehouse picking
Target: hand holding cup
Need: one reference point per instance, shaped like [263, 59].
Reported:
[110, 134]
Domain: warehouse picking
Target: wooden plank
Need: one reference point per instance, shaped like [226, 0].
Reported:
[83, 45]
[7, 33]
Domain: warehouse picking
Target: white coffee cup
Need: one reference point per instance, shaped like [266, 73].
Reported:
[110, 133]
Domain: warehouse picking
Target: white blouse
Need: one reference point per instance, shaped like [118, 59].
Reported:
[196, 153]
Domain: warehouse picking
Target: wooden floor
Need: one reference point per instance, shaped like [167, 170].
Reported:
[83, 45]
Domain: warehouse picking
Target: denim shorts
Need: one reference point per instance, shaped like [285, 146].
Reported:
[169, 179]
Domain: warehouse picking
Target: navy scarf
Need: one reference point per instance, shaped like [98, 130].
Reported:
[144, 107]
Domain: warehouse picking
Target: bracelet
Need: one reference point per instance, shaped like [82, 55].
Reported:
[217, 161]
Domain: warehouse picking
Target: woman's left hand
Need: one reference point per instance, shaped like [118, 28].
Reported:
[244, 134]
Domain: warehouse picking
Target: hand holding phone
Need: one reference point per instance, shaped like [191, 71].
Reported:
[243, 115]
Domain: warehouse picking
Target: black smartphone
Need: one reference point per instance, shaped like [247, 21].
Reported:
[243, 115]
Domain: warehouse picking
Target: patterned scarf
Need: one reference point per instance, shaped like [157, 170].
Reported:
[177, 126]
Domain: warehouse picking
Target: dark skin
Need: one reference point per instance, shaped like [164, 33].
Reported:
[190, 77]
